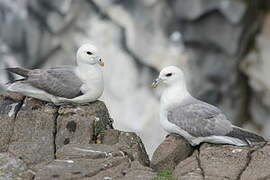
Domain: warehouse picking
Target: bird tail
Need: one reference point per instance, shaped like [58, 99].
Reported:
[245, 135]
[20, 71]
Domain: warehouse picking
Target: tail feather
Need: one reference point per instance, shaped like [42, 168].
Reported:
[20, 71]
[16, 80]
[245, 135]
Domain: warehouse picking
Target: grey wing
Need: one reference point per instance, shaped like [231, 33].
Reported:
[61, 82]
[200, 119]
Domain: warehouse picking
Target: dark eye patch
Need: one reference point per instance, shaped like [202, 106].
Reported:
[169, 74]
[89, 53]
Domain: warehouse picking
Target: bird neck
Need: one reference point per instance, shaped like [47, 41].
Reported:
[174, 94]
[88, 72]
[83, 66]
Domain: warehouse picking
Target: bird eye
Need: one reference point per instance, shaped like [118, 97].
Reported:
[168, 75]
[89, 53]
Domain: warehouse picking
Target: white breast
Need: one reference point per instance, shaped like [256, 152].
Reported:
[92, 79]
[173, 96]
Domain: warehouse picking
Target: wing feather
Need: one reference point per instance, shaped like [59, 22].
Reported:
[200, 119]
[61, 82]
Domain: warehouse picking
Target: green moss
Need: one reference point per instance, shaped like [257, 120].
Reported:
[60, 155]
[164, 175]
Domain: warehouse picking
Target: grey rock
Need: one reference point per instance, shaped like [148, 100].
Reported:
[88, 151]
[255, 66]
[36, 133]
[111, 137]
[93, 161]
[218, 162]
[109, 160]
[33, 132]
[225, 162]
[139, 172]
[188, 169]
[81, 124]
[228, 40]
[13, 168]
[231, 9]
[170, 152]
[127, 142]
[259, 165]
[132, 145]
[79, 168]
[10, 104]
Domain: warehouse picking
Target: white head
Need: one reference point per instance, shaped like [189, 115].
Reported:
[87, 54]
[170, 76]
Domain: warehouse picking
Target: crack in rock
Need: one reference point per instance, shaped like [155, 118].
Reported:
[199, 163]
[55, 131]
[249, 158]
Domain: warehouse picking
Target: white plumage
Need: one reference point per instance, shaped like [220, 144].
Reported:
[79, 84]
[193, 119]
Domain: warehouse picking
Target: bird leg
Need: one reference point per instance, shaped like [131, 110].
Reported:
[195, 142]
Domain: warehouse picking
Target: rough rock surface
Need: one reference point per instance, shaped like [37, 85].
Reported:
[9, 106]
[219, 162]
[208, 37]
[33, 132]
[170, 152]
[34, 147]
[52, 142]
[13, 168]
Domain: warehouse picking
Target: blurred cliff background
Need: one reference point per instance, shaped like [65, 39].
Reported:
[222, 45]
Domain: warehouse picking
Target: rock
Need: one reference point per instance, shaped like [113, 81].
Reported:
[255, 66]
[188, 169]
[225, 162]
[111, 137]
[232, 10]
[170, 152]
[259, 165]
[9, 106]
[130, 144]
[33, 132]
[78, 161]
[139, 172]
[81, 124]
[105, 153]
[44, 128]
[88, 151]
[13, 168]
[215, 159]
[99, 161]
[48, 141]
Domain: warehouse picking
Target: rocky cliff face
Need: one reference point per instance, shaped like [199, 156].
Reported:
[211, 162]
[40, 141]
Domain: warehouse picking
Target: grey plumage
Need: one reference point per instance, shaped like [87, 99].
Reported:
[200, 119]
[20, 71]
[61, 82]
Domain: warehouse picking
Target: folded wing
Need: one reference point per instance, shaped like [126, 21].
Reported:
[200, 119]
[61, 82]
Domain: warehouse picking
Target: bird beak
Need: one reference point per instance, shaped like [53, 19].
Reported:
[156, 82]
[101, 63]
